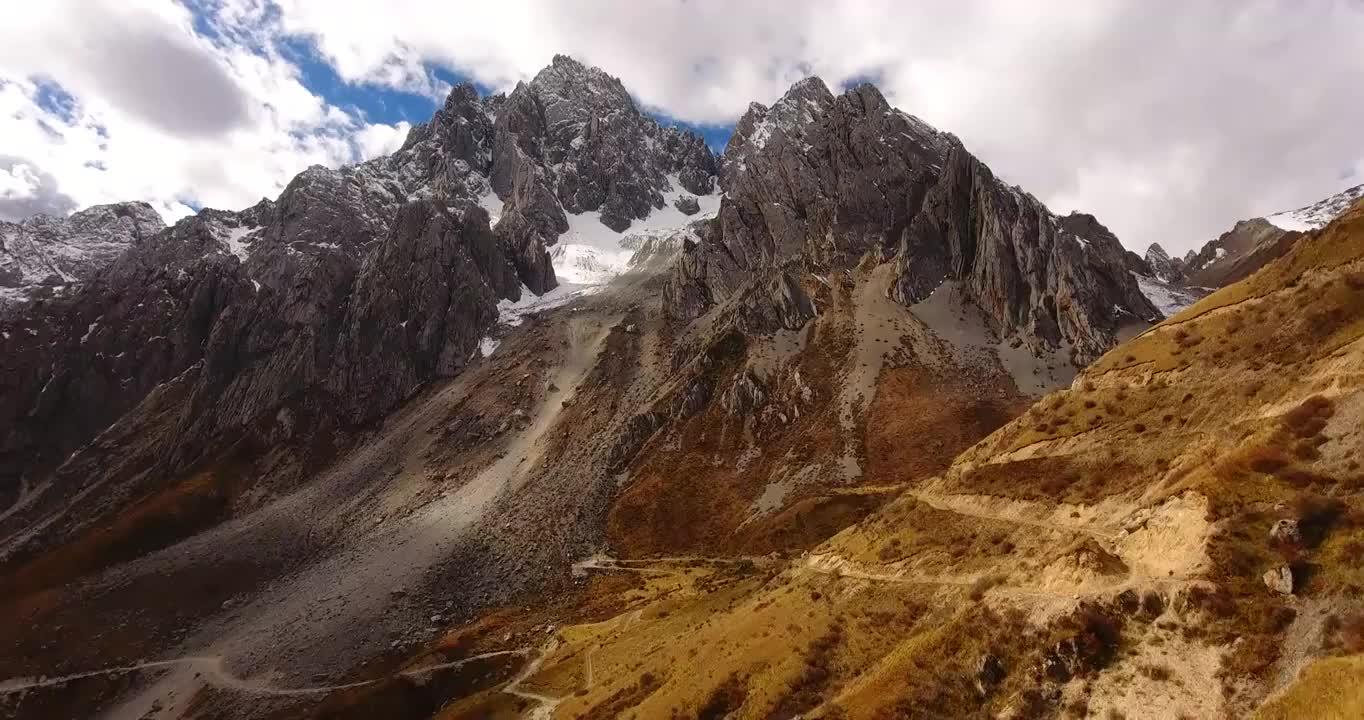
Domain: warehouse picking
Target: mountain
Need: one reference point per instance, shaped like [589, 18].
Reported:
[825, 181]
[44, 255]
[1318, 214]
[543, 413]
[1239, 252]
[1177, 533]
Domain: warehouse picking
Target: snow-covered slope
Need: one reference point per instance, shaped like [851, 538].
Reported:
[1167, 297]
[590, 253]
[1318, 214]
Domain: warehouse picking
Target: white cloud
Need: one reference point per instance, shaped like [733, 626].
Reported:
[1167, 125]
[161, 113]
[377, 140]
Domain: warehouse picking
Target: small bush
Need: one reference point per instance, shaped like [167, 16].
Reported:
[724, 700]
[1351, 634]
[983, 584]
[1219, 602]
[1159, 673]
[1309, 418]
[1316, 516]
[1352, 552]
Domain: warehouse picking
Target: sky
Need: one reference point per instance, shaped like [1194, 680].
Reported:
[1168, 121]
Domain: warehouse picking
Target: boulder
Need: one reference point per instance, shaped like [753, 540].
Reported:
[687, 204]
[1286, 531]
[1279, 579]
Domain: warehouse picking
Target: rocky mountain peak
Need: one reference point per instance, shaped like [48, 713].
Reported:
[569, 90]
[1163, 267]
[1156, 253]
[819, 181]
[785, 121]
[43, 253]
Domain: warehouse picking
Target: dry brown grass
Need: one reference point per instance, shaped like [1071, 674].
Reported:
[813, 684]
[156, 521]
[725, 699]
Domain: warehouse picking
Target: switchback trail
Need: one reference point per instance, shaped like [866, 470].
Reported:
[216, 674]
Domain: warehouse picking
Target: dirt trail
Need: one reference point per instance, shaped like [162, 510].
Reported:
[547, 702]
[971, 506]
[821, 564]
[214, 672]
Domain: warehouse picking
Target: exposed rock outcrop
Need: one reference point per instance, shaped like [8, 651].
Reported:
[339, 298]
[1279, 579]
[1163, 267]
[597, 151]
[687, 205]
[44, 255]
[820, 181]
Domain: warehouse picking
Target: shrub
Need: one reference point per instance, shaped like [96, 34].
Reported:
[1219, 602]
[724, 700]
[1309, 418]
[1351, 634]
[1352, 552]
[983, 584]
[1316, 516]
[1159, 673]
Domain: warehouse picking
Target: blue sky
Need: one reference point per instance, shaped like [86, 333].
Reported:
[185, 103]
[381, 104]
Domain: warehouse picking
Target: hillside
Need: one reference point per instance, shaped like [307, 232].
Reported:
[1110, 553]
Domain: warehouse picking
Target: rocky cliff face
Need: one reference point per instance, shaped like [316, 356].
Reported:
[572, 140]
[45, 255]
[816, 182]
[329, 305]
[1163, 267]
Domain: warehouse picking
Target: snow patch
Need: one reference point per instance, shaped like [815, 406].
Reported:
[493, 204]
[512, 313]
[1318, 214]
[589, 253]
[235, 241]
[487, 345]
[1168, 300]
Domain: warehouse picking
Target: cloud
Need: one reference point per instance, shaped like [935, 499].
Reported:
[26, 190]
[377, 140]
[1169, 126]
[142, 62]
[122, 101]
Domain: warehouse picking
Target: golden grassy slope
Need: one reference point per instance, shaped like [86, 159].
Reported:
[1099, 556]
